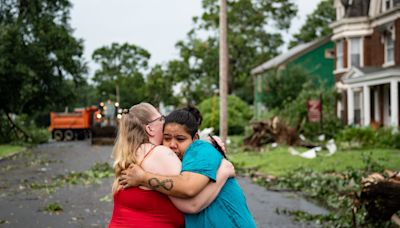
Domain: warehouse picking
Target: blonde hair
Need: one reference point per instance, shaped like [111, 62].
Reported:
[131, 135]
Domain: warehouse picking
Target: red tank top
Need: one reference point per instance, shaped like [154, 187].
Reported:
[136, 207]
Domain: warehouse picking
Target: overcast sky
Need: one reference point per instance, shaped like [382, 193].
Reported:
[155, 25]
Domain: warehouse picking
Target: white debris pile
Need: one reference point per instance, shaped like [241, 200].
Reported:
[312, 153]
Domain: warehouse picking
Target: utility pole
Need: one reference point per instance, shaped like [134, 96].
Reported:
[223, 71]
[117, 92]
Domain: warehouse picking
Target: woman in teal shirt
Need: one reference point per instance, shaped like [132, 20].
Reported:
[200, 162]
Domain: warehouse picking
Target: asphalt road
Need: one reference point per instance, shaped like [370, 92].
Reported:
[23, 203]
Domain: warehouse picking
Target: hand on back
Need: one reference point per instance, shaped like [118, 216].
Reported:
[132, 177]
[226, 169]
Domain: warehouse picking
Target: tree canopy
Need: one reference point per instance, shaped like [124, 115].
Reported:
[317, 24]
[38, 54]
[122, 67]
[283, 86]
[250, 38]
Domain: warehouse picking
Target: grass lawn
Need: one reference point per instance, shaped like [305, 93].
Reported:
[9, 149]
[279, 161]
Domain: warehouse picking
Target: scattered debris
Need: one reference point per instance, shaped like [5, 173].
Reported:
[53, 208]
[331, 146]
[310, 154]
[106, 198]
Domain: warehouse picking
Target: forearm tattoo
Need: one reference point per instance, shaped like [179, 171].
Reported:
[155, 183]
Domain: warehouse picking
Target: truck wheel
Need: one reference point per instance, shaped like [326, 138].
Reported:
[58, 135]
[69, 135]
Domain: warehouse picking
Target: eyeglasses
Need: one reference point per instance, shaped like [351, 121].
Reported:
[161, 119]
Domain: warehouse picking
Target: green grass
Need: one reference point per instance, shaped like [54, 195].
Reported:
[6, 150]
[279, 161]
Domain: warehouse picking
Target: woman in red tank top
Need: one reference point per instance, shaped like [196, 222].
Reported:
[139, 133]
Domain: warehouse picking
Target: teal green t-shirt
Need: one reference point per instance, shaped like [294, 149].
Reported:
[229, 209]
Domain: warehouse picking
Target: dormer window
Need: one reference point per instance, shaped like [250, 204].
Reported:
[389, 4]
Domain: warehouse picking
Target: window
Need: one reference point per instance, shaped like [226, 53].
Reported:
[387, 4]
[339, 55]
[329, 53]
[355, 49]
[389, 48]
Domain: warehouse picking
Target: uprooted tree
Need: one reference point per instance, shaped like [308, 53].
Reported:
[274, 130]
[381, 196]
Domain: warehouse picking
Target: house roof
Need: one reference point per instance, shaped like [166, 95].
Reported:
[290, 55]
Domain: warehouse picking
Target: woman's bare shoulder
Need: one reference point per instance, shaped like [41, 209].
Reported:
[163, 161]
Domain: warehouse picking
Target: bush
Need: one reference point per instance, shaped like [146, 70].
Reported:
[239, 113]
[368, 137]
[36, 135]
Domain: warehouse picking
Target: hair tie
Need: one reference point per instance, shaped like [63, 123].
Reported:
[125, 111]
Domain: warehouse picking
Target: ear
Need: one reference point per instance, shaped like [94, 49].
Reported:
[149, 130]
[196, 136]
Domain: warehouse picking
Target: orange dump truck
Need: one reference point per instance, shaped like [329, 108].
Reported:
[72, 125]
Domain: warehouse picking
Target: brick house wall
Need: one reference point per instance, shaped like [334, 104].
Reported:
[367, 50]
[377, 53]
[345, 41]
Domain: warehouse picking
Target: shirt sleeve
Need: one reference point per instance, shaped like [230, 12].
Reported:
[202, 158]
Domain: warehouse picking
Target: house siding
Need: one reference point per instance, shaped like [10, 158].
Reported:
[317, 64]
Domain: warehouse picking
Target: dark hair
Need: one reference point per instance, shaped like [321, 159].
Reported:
[190, 117]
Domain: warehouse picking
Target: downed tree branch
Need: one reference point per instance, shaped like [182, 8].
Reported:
[16, 128]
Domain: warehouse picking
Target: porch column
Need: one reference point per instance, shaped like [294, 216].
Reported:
[350, 106]
[394, 103]
[367, 105]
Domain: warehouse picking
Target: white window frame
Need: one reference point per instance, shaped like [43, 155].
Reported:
[360, 50]
[339, 46]
[386, 37]
[384, 8]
